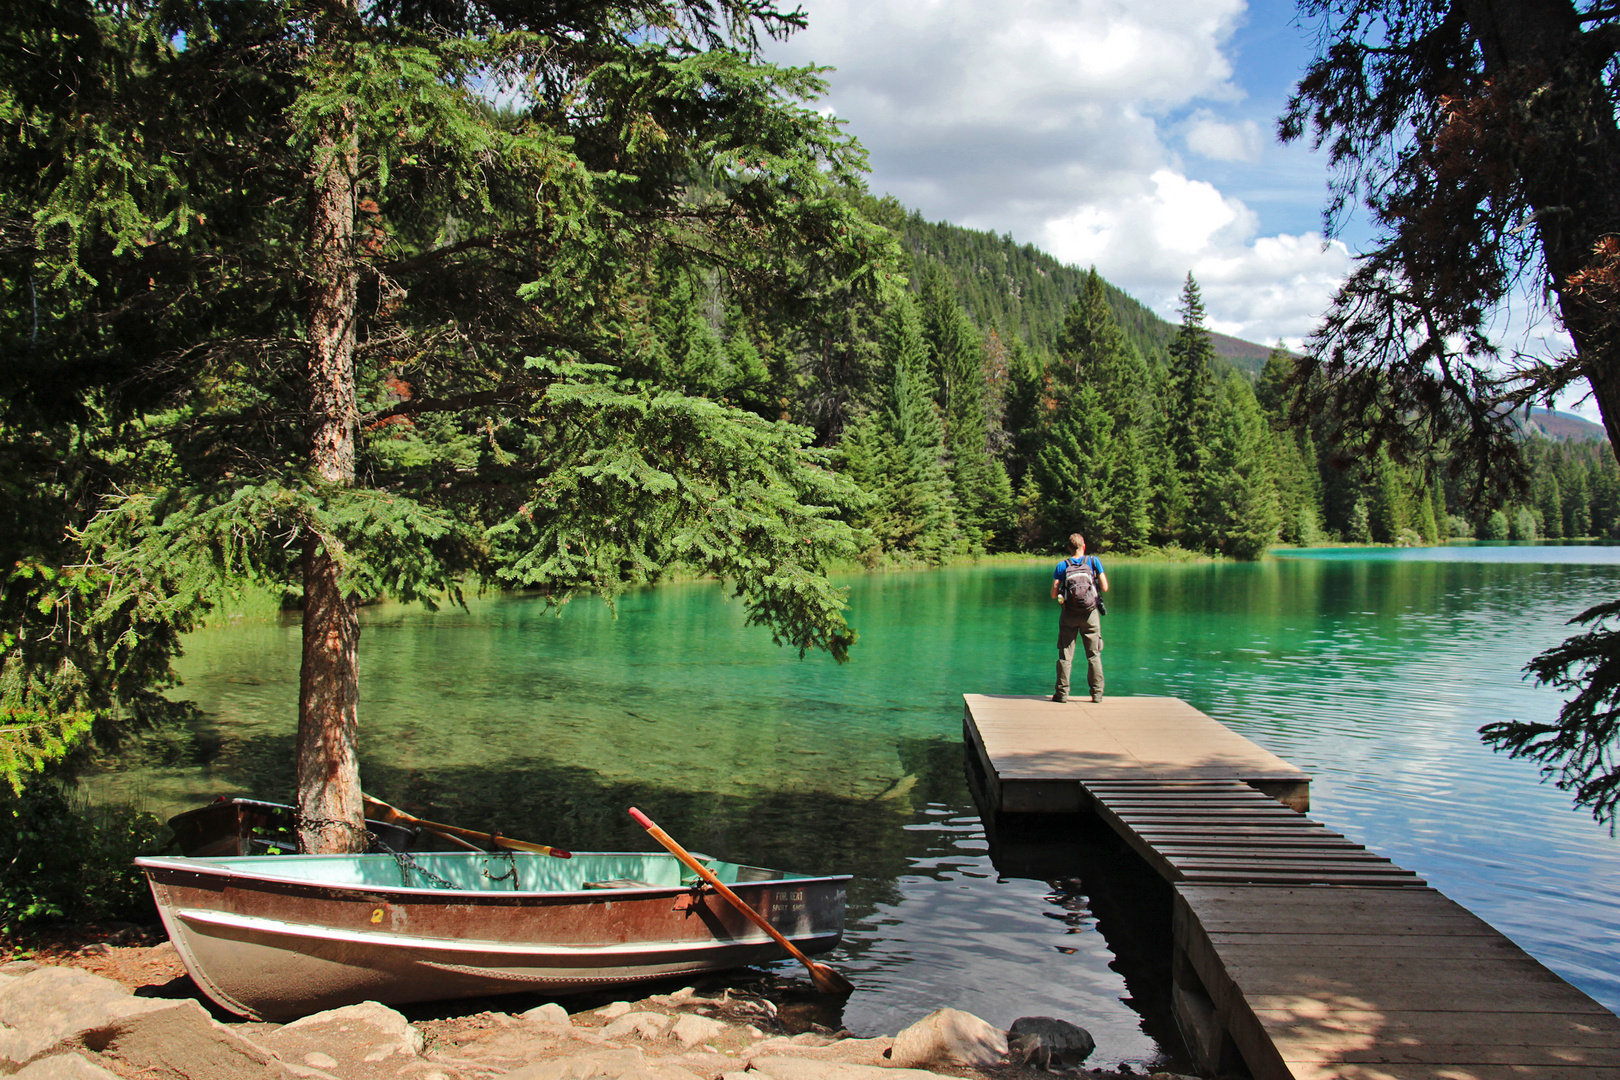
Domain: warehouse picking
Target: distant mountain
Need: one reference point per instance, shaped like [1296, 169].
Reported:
[1020, 289]
[1246, 356]
[1562, 426]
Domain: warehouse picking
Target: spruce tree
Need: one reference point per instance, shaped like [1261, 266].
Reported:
[1189, 402]
[1074, 469]
[359, 330]
[1578, 505]
[896, 451]
[1240, 506]
[1386, 500]
[1437, 508]
[983, 492]
[1093, 353]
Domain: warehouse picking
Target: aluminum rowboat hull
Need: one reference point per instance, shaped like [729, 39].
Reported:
[265, 941]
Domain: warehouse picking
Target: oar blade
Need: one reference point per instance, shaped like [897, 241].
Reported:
[829, 981]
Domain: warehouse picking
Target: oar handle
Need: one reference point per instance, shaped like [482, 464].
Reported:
[707, 875]
[395, 814]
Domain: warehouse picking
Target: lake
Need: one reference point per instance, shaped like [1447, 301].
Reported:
[1370, 669]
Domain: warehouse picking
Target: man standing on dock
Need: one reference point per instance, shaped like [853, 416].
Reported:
[1078, 585]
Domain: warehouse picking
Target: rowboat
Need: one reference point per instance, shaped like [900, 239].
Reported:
[277, 938]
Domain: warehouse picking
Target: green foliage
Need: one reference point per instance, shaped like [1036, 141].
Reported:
[84, 647]
[1576, 751]
[657, 480]
[1240, 511]
[896, 452]
[1074, 469]
[564, 308]
[1189, 404]
[67, 862]
[957, 365]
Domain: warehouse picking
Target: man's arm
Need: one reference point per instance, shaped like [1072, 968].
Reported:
[1054, 588]
[1102, 582]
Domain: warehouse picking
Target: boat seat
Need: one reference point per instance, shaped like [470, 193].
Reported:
[620, 883]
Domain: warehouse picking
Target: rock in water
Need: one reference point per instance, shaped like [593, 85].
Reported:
[1042, 1040]
[949, 1036]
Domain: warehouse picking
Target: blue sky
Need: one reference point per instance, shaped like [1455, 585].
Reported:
[1138, 136]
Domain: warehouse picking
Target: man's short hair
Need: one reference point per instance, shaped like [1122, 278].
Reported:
[1076, 542]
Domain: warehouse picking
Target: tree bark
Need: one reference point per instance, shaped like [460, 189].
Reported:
[331, 817]
[328, 769]
[1538, 47]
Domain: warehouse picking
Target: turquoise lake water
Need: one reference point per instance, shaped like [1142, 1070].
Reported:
[1371, 669]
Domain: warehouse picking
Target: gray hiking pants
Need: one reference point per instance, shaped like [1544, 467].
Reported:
[1089, 631]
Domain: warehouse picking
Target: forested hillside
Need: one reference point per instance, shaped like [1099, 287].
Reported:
[1003, 399]
[1011, 286]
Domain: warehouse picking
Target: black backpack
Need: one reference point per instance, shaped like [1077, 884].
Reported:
[1080, 586]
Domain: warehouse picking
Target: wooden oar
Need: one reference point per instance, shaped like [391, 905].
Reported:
[397, 816]
[826, 979]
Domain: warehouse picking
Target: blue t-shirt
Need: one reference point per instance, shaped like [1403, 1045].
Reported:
[1096, 569]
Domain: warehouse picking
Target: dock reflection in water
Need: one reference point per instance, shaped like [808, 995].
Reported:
[1101, 885]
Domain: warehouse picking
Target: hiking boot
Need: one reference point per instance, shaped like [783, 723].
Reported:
[1096, 697]
[1060, 697]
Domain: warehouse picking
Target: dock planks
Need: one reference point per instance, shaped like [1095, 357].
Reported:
[1402, 984]
[1037, 754]
[1296, 949]
[1227, 832]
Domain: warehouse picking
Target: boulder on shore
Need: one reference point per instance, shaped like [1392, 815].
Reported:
[1042, 1040]
[949, 1037]
[56, 1014]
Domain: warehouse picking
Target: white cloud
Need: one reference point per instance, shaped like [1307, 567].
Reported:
[1052, 120]
[1258, 288]
[1221, 141]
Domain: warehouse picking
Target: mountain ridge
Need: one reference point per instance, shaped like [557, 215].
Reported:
[1020, 290]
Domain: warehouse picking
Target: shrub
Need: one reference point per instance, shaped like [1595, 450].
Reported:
[62, 860]
[1522, 524]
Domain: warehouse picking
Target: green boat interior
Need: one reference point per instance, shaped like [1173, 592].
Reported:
[490, 872]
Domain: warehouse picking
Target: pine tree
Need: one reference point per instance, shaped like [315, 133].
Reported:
[1093, 354]
[380, 326]
[896, 452]
[1437, 510]
[1386, 500]
[1428, 526]
[983, 492]
[1241, 509]
[1578, 505]
[1548, 498]
[1074, 468]
[1190, 402]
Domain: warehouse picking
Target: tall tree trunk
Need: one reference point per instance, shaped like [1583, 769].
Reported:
[1540, 50]
[328, 769]
[331, 817]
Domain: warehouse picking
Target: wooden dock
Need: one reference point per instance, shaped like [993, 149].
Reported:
[1038, 756]
[1298, 954]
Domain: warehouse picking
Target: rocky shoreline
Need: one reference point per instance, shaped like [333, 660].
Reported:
[109, 1012]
